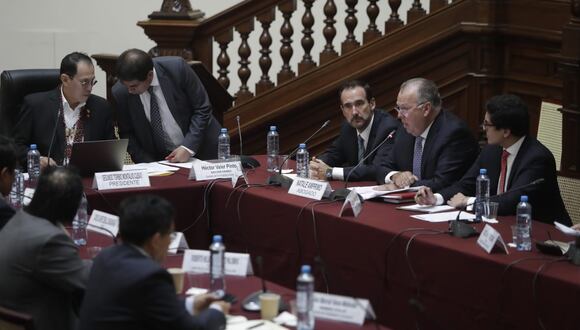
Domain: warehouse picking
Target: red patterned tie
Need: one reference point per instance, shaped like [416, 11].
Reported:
[504, 156]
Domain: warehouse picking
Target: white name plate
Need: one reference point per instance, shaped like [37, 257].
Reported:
[121, 180]
[341, 308]
[28, 194]
[201, 170]
[178, 242]
[104, 223]
[309, 188]
[237, 264]
[489, 238]
[354, 201]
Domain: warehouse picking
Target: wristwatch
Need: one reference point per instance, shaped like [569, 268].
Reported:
[329, 173]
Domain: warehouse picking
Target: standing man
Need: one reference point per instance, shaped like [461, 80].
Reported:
[8, 162]
[435, 148]
[164, 109]
[130, 290]
[42, 274]
[54, 120]
[364, 129]
[512, 159]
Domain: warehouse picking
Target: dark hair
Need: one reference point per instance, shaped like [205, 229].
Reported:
[509, 112]
[69, 63]
[8, 154]
[427, 91]
[57, 195]
[134, 64]
[350, 84]
[142, 216]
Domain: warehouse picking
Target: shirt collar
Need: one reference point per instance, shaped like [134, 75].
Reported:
[65, 104]
[155, 80]
[367, 131]
[426, 131]
[515, 148]
[141, 250]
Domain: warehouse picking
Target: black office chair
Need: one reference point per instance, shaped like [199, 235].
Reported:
[12, 320]
[15, 85]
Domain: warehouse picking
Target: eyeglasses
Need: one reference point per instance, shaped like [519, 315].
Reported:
[405, 112]
[486, 124]
[86, 82]
[359, 104]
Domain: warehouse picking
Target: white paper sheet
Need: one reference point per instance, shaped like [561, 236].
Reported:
[186, 165]
[153, 168]
[368, 192]
[426, 208]
[567, 230]
[443, 217]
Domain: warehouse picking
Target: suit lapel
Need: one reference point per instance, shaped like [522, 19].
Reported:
[494, 168]
[138, 115]
[55, 105]
[166, 86]
[518, 161]
[430, 141]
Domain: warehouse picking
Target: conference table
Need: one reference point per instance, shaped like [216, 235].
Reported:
[414, 273]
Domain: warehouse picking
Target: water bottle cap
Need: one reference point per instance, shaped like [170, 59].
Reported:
[305, 269]
[524, 198]
[482, 171]
[224, 130]
[217, 238]
[273, 128]
[33, 146]
[302, 146]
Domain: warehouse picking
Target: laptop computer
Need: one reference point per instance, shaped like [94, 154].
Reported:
[98, 156]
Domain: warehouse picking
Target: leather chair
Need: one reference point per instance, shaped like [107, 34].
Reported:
[12, 320]
[15, 85]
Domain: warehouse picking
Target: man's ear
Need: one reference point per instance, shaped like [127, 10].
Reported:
[427, 108]
[65, 79]
[506, 132]
[372, 103]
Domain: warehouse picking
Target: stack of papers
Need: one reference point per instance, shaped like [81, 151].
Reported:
[369, 192]
[444, 217]
[426, 208]
[152, 169]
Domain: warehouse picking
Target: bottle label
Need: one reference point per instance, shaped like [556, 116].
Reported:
[301, 302]
[216, 266]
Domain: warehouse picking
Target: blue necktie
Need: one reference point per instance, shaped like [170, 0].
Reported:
[361, 148]
[417, 155]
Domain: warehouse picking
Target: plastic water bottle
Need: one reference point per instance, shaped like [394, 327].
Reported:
[302, 161]
[524, 225]
[481, 194]
[33, 161]
[273, 146]
[79, 234]
[217, 281]
[304, 299]
[224, 144]
[17, 192]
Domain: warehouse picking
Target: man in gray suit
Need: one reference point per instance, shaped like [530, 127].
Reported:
[42, 274]
[163, 109]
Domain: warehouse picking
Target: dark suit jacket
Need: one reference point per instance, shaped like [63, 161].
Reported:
[344, 150]
[189, 104]
[41, 273]
[128, 290]
[532, 162]
[6, 212]
[38, 118]
[448, 152]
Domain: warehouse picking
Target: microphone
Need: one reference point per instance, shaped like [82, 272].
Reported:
[278, 178]
[252, 302]
[53, 135]
[110, 233]
[461, 229]
[247, 161]
[340, 194]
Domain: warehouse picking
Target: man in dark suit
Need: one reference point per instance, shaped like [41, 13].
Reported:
[42, 274]
[435, 148]
[164, 109]
[8, 162]
[129, 289]
[70, 109]
[512, 159]
[363, 130]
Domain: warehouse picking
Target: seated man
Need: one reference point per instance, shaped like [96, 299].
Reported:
[363, 130]
[435, 148]
[8, 162]
[164, 109]
[54, 120]
[512, 159]
[129, 289]
[42, 274]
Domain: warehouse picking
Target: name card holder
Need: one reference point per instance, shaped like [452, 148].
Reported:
[341, 308]
[178, 243]
[489, 238]
[237, 264]
[201, 170]
[309, 188]
[104, 223]
[121, 180]
[354, 201]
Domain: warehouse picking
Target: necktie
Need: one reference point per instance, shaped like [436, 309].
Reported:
[361, 148]
[417, 155]
[504, 156]
[161, 139]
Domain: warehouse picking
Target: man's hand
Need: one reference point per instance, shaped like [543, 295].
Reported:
[203, 301]
[318, 169]
[386, 187]
[458, 201]
[576, 226]
[425, 196]
[179, 155]
[45, 161]
[404, 179]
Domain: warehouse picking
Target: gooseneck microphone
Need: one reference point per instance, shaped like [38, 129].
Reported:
[252, 301]
[247, 161]
[278, 178]
[53, 135]
[340, 194]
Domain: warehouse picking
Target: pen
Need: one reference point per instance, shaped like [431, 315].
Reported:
[257, 325]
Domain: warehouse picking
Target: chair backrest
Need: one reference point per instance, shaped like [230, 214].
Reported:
[15, 85]
[12, 320]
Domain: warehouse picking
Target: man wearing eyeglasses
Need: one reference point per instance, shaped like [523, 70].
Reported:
[512, 159]
[64, 115]
[435, 148]
[364, 130]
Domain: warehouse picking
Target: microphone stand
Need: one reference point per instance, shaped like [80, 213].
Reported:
[340, 194]
[280, 180]
[53, 135]
[247, 161]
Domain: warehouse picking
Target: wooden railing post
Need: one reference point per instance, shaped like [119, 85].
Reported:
[244, 52]
[415, 12]
[223, 60]
[394, 22]
[287, 8]
[351, 22]
[372, 31]
[329, 32]
[266, 18]
[307, 62]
